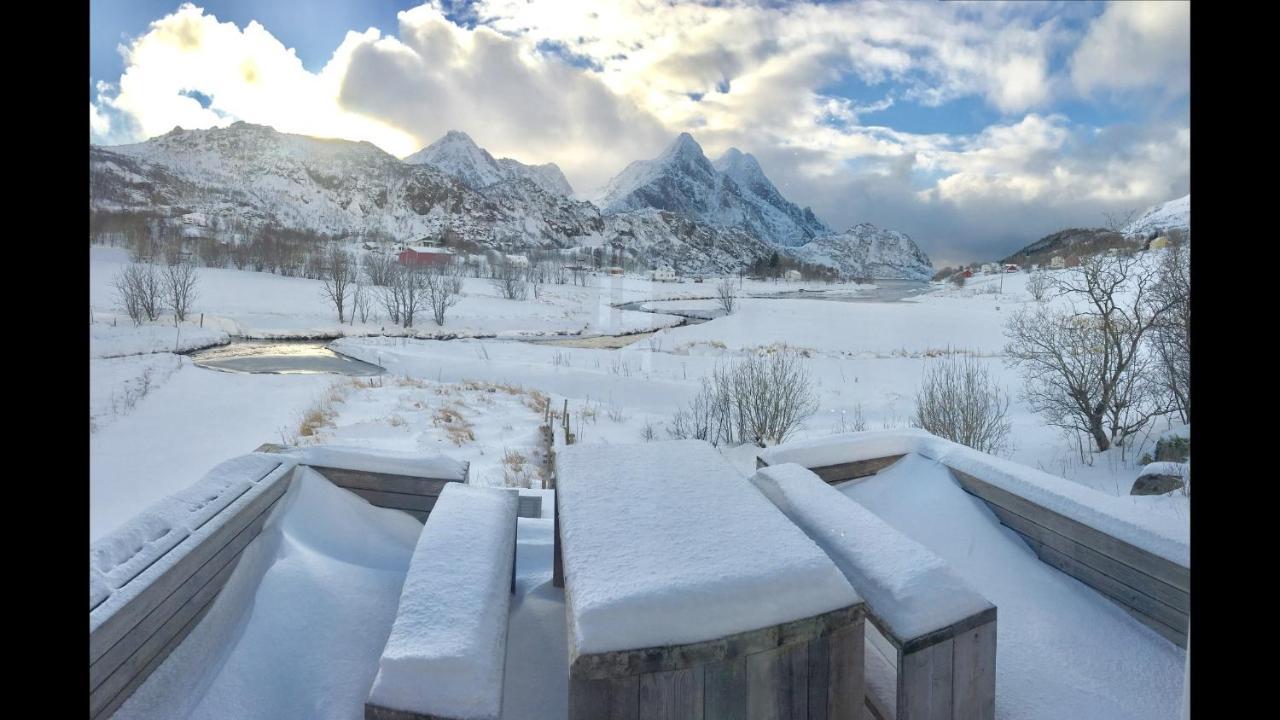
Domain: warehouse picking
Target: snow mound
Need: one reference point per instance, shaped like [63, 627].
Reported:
[445, 654]
[1163, 535]
[909, 588]
[297, 629]
[665, 543]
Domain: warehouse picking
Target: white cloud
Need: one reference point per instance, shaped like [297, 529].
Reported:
[1135, 45]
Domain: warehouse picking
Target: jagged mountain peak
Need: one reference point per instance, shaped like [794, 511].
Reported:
[732, 192]
[458, 155]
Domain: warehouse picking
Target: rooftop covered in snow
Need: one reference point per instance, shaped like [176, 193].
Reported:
[666, 543]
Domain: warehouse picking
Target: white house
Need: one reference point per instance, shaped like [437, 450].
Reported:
[519, 261]
[663, 274]
[1057, 262]
[989, 268]
[791, 276]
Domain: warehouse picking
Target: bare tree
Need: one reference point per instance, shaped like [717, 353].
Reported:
[390, 293]
[959, 400]
[1038, 285]
[141, 291]
[509, 280]
[180, 280]
[443, 286]
[1118, 221]
[1172, 338]
[727, 292]
[761, 399]
[1086, 367]
[378, 268]
[338, 274]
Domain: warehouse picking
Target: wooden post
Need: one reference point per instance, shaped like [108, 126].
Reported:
[557, 568]
[201, 319]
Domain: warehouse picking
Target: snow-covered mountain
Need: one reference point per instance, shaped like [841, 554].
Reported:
[1174, 214]
[244, 177]
[786, 222]
[733, 193]
[865, 251]
[458, 155]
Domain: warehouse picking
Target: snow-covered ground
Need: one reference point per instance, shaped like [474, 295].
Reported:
[866, 359]
[1063, 651]
[158, 423]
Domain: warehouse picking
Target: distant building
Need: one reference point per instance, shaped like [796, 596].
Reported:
[662, 275]
[792, 276]
[615, 270]
[519, 261]
[1011, 268]
[426, 242]
[1057, 262]
[989, 269]
[419, 257]
[1160, 242]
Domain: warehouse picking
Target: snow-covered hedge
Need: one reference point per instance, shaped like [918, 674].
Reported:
[447, 647]
[1166, 536]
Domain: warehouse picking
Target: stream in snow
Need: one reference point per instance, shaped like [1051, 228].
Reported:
[281, 357]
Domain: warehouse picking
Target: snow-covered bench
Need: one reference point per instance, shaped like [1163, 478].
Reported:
[1139, 560]
[445, 655]
[399, 480]
[151, 580]
[942, 633]
[688, 594]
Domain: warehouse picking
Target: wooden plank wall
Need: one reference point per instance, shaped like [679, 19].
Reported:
[810, 669]
[950, 679]
[414, 495]
[833, 474]
[1152, 589]
[129, 644]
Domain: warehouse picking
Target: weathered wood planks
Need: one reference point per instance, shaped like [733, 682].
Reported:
[833, 474]
[810, 669]
[1154, 590]
[128, 641]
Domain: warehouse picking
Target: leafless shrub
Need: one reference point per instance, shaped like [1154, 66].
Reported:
[180, 280]
[443, 287]
[727, 294]
[1038, 285]
[1086, 367]
[509, 280]
[338, 273]
[379, 267]
[648, 432]
[959, 400]
[761, 399]
[140, 289]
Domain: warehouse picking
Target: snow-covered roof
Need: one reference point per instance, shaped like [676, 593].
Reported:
[906, 586]
[666, 543]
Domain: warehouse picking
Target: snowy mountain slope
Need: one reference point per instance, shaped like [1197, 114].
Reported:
[734, 193]
[459, 156]
[865, 251]
[785, 221]
[684, 244]
[253, 175]
[1174, 214]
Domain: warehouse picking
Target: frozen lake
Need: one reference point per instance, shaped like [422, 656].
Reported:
[281, 358]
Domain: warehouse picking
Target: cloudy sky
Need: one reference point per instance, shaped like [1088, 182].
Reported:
[975, 128]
